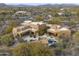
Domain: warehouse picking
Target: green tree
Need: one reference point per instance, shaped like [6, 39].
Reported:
[7, 40]
[76, 37]
[20, 50]
[32, 49]
[10, 26]
[39, 49]
[55, 21]
[39, 18]
[72, 22]
[42, 30]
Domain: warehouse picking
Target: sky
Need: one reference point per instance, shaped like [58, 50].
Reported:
[41, 1]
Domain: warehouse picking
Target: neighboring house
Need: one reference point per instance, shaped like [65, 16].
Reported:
[48, 18]
[22, 12]
[62, 9]
[22, 15]
[60, 13]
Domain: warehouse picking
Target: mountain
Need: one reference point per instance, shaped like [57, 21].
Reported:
[59, 5]
[2, 5]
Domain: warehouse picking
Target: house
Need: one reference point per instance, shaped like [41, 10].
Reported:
[18, 31]
[57, 30]
[64, 32]
[26, 23]
[53, 30]
[27, 26]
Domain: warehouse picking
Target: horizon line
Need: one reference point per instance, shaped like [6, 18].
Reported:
[38, 3]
